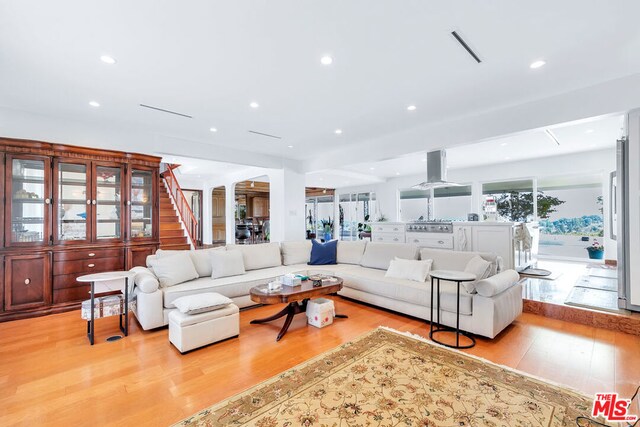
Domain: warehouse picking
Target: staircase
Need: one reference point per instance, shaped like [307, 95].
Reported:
[172, 235]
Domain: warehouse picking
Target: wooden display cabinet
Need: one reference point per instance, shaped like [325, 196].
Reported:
[68, 212]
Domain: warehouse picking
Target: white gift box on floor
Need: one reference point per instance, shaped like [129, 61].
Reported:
[320, 312]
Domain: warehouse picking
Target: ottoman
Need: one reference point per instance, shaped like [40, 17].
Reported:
[191, 331]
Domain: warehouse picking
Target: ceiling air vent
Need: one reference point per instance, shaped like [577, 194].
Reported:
[466, 46]
[265, 134]
[162, 110]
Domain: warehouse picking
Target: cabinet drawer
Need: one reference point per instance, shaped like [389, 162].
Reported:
[88, 266]
[71, 294]
[444, 242]
[387, 228]
[388, 237]
[87, 254]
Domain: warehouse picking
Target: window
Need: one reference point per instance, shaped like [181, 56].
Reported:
[414, 205]
[356, 209]
[514, 198]
[452, 203]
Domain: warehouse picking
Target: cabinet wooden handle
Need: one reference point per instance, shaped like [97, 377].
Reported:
[91, 265]
[92, 254]
[27, 281]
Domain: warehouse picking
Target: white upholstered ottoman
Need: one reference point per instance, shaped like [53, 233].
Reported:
[190, 331]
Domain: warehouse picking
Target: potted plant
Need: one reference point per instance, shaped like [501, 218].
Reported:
[596, 250]
[327, 226]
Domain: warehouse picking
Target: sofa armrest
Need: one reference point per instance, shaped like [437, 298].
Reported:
[496, 284]
[145, 280]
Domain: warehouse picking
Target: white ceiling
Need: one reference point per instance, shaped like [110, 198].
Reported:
[588, 135]
[211, 59]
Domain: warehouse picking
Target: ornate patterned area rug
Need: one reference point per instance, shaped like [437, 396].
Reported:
[387, 378]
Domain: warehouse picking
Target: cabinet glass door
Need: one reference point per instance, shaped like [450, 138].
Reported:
[28, 200]
[71, 204]
[141, 203]
[107, 201]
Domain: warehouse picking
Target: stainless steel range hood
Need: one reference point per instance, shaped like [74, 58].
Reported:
[436, 172]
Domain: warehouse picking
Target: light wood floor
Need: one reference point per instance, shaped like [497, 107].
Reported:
[50, 375]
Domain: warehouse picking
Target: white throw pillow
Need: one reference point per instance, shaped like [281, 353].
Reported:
[201, 303]
[480, 268]
[226, 263]
[296, 252]
[417, 271]
[175, 269]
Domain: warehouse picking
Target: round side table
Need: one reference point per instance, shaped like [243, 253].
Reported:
[107, 277]
[451, 276]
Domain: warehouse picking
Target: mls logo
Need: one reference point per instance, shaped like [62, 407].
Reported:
[612, 408]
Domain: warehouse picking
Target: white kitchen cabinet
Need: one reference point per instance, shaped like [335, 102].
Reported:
[431, 240]
[388, 232]
[496, 239]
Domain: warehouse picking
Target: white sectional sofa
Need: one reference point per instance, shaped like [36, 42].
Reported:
[487, 310]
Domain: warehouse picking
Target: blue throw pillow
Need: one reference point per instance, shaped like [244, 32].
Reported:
[323, 253]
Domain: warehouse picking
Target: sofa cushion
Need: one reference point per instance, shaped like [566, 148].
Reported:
[263, 255]
[296, 252]
[379, 255]
[496, 284]
[409, 269]
[227, 263]
[444, 259]
[478, 267]
[201, 303]
[199, 257]
[323, 253]
[350, 252]
[175, 269]
[373, 281]
[232, 286]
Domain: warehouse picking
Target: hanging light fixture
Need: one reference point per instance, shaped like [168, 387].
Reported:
[253, 184]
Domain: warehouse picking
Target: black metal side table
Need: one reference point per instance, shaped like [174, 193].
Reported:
[451, 276]
[106, 279]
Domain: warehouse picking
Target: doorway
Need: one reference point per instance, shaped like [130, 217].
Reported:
[252, 211]
[218, 215]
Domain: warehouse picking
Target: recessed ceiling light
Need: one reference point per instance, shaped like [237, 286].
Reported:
[289, 146]
[254, 105]
[504, 144]
[213, 129]
[108, 59]
[589, 131]
[321, 179]
[326, 60]
[338, 131]
[397, 173]
[94, 104]
[411, 108]
[324, 191]
[537, 64]
[372, 168]
[507, 158]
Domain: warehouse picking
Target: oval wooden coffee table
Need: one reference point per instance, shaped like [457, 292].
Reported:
[296, 298]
